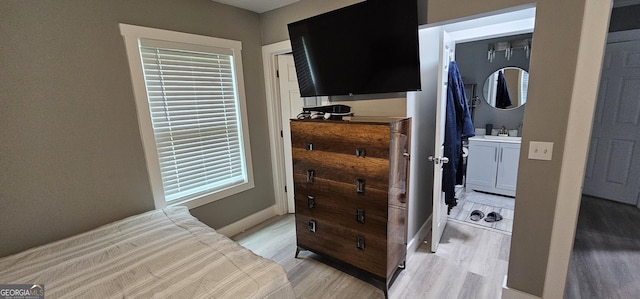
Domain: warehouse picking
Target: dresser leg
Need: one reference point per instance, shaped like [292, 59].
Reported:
[297, 252]
[403, 265]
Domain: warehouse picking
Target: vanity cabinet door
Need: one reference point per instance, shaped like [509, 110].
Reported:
[482, 165]
[508, 157]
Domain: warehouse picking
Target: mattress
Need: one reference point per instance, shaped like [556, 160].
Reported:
[159, 254]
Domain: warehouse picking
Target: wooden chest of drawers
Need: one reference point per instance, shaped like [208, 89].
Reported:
[351, 189]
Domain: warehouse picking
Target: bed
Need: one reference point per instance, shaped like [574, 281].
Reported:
[159, 254]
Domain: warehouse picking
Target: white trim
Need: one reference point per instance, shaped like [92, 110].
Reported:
[132, 35]
[508, 293]
[127, 30]
[494, 30]
[419, 237]
[270, 66]
[248, 222]
[623, 36]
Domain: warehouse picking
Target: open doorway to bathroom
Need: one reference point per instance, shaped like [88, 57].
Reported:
[486, 190]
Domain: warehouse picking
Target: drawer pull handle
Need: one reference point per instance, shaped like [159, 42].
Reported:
[360, 243]
[311, 201]
[359, 186]
[310, 175]
[309, 146]
[312, 226]
[360, 152]
[360, 215]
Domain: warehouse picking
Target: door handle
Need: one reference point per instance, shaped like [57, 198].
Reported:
[438, 160]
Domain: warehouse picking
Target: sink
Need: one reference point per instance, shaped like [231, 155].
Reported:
[498, 138]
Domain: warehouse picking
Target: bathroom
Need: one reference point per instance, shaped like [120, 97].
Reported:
[492, 162]
[475, 67]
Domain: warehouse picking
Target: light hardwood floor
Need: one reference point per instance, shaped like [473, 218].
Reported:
[471, 262]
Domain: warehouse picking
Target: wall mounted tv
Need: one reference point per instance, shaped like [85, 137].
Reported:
[365, 48]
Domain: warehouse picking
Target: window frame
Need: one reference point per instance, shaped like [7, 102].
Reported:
[132, 35]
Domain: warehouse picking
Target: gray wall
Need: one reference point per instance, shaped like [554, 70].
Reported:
[70, 149]
[474, 67]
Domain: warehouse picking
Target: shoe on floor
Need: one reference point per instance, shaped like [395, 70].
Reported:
[476, 215]
[493, 217]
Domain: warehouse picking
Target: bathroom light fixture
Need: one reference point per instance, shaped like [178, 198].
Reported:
[508, 48]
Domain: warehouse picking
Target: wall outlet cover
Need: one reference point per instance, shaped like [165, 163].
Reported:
[539, 150]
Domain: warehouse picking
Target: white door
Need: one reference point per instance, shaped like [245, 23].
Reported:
[613, 165]
[439, 217]
[291, 105]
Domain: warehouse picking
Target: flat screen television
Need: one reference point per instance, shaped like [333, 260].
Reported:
[366, 48]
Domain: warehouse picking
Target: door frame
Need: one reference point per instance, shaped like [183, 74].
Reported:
[521, 20]
[274, 118]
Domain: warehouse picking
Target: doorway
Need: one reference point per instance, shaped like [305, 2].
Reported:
[613, 165]
[517, 22]
[607, 238]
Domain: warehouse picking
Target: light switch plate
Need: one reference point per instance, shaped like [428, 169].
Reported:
[539, 150]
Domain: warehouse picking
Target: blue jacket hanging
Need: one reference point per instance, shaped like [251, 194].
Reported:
[503, 100]
[458, 125]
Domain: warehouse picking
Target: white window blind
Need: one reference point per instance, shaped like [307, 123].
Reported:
[194, 107]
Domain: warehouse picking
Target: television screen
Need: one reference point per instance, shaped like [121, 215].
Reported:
[369, 47]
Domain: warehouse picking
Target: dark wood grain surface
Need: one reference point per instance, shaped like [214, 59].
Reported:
[340, 154]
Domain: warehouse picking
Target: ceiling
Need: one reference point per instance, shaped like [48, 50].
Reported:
[258, 6]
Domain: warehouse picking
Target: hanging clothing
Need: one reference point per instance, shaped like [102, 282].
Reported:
[458, 125]
[503, 100]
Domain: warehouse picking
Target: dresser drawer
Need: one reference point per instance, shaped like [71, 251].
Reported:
[342, 243]
[342, 168]
[342, 137]
[359, 214]
[346, 189]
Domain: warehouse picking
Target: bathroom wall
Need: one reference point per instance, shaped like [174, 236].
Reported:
[474, 67]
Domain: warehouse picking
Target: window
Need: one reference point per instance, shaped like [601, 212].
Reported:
[191, 110]
[524, 86]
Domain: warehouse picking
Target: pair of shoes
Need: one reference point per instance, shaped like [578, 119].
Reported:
[476, 215]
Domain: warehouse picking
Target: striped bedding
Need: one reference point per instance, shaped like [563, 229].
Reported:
[159, 254]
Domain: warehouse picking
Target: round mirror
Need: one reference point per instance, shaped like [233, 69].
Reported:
[506, 88]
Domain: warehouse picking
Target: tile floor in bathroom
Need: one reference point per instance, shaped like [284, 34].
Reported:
[469, 200]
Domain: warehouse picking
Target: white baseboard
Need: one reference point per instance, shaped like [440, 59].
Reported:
[508, 293]
[417, 239]
[248, 222]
